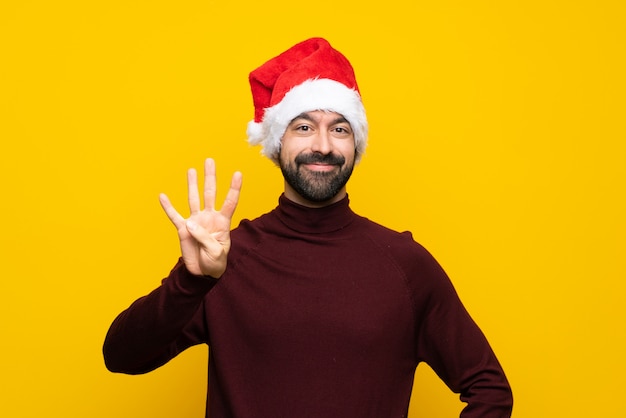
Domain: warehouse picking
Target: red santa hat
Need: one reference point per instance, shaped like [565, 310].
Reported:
[309, 76]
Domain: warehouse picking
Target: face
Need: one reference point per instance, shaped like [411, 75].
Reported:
[317, 158]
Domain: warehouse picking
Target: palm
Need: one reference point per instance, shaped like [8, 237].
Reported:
[205, 234]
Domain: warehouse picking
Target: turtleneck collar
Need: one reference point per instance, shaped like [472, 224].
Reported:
[314, 220]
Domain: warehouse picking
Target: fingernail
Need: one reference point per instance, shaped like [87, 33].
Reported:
[191, 225]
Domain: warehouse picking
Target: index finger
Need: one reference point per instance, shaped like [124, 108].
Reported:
[232, 197]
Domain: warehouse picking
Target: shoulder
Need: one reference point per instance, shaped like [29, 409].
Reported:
[412, 258]
[251, 232]
[248, 229]
[401, 244]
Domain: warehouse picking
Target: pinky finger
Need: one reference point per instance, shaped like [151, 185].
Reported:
[171, 213]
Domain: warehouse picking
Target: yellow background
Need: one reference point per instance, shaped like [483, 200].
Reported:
[497, 137]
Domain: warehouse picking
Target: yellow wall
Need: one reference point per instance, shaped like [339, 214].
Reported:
[497, 137]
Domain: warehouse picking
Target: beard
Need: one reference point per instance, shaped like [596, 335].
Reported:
[312, 185]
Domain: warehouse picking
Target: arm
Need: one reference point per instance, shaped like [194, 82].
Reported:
[160, 325]
[457, 350]
[157, 327]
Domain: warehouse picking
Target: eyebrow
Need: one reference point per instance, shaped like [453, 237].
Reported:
[306, 116]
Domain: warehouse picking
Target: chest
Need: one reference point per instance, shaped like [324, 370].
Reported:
[328, 297]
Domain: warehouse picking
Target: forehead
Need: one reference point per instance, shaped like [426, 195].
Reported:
[318, 116]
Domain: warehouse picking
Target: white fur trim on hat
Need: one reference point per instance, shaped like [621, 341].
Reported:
[313, 94]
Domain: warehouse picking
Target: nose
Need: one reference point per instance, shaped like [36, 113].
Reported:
[321, 142]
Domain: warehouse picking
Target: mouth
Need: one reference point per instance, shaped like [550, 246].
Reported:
[320, 167]
[318, 163]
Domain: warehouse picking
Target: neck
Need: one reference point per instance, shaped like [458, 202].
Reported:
[316, 221]
[295, 197]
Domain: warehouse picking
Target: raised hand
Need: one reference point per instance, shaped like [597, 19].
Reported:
[205, 235]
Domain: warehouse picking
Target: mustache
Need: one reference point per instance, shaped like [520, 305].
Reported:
[316, 157]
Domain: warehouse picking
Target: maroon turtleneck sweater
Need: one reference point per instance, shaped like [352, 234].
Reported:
[320, 313]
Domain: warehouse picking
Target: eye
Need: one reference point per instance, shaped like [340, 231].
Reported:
[303, 128]
[342, 130]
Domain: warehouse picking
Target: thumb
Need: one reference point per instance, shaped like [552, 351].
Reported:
[211, 258]
[204, 238]
[199, 233]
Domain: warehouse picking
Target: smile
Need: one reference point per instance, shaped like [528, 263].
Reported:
[320, 167]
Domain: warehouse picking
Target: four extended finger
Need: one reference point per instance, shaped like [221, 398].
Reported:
[209, 184]
[192, 186]
[171, 213]
[232, 197]
[209, 191]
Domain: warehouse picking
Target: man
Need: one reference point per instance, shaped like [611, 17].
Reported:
[309, 310]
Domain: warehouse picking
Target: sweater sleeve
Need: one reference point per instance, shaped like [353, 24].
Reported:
[457, 350]
[160, 325]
